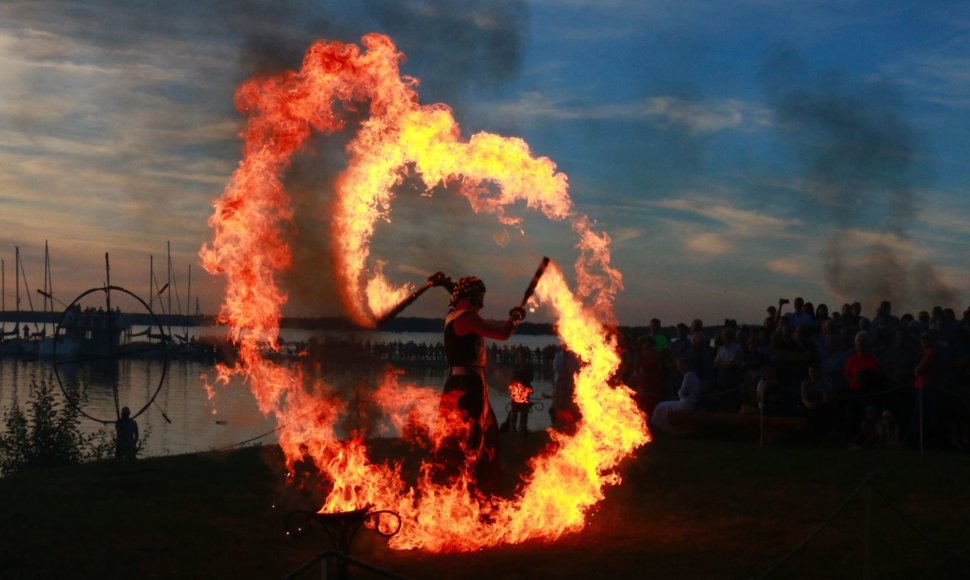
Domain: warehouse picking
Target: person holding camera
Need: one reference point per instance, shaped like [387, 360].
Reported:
[799, 317]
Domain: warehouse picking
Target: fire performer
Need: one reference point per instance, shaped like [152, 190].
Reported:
[475, 442]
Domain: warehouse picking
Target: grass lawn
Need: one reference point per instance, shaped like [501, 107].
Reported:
[700, 507]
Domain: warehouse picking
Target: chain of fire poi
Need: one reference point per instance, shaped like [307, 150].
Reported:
[284, 111]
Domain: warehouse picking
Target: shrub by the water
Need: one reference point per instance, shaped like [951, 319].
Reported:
[48, 434]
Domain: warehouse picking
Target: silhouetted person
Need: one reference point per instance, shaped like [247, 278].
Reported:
[127, 432]
[564, 411]
[473, 432]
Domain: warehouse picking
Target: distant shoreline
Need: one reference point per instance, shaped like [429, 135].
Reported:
[404, 324]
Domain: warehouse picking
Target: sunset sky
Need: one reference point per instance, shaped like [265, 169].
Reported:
[736, 152]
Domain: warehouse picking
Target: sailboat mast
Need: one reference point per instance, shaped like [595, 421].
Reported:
[17, 268]
[48, 282]
[169, 284]
[107, 284]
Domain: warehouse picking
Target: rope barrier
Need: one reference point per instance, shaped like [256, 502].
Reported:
[853, 397]
[866, 481]
[250, 440]
[867, 484]
[929, 541]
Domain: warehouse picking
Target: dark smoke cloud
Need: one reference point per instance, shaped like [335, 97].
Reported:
[275, 35]
[862, 157]
[452, 47]
[455, 46]
[310, 281]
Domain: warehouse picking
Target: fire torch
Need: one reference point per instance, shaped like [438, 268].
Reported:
[436, 279]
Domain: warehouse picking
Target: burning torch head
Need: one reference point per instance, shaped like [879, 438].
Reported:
[469, 288]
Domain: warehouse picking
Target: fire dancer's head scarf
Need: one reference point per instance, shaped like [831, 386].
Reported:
[469, 288]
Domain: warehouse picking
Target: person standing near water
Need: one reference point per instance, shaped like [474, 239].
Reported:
[127, 432]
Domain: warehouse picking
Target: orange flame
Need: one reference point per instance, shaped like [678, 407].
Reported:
[493, 172]
[519, 392]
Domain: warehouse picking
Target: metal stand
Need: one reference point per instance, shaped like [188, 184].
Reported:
[341, 527]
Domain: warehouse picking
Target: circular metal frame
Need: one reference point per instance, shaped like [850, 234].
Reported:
[57, 329]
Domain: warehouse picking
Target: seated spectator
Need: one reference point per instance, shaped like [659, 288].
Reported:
[701, 357]
[820, 403]
[728, 363]
[648, 379]
[890, 429]
[689, 394]
[870, 429]
[755, 359]
[680, 347]
[769, 392]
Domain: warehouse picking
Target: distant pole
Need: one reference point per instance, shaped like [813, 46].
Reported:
[107, 284]
[48, 291]
[169, 284]
[17, 268]
[867, 498]
[3, 295]
[109, 317]
[761, 425]
[919, 398]
[188, 297]
[151, 280]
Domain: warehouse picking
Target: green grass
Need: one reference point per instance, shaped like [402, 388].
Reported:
[701, 507]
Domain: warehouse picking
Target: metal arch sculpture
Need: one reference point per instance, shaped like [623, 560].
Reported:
[72, 399]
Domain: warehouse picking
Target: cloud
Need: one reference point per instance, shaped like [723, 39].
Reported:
[707, 244]
[703, 117]
[696, 117]
[858, 240]
[622, 235]
[742, 223]
[787, 266]
[943, 79]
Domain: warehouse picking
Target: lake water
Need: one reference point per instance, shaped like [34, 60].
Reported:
[194, 422]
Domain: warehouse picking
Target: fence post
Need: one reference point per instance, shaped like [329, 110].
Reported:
[867, 498]
[761, 424]
[919, 395]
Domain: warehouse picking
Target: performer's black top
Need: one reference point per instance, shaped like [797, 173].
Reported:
[468, 350]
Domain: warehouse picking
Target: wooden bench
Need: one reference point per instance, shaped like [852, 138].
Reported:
[686, 422]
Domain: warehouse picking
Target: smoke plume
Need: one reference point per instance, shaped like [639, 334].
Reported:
[862, 158]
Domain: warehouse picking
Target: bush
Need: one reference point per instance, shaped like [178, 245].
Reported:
[48, 434]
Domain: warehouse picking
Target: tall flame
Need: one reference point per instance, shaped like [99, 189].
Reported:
[492, 172]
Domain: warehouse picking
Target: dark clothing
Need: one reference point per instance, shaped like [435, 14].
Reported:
[463, 350]
[127, 431]
[466, 392]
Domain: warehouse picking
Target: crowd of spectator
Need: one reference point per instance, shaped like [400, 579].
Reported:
[862, 381]
[876, 381]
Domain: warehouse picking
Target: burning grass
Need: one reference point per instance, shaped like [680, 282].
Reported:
[688, 508]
